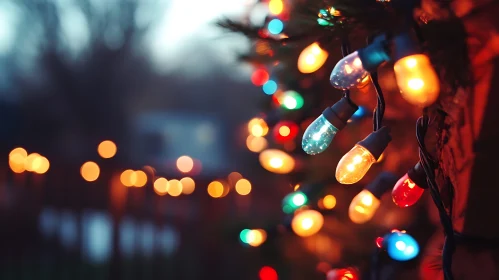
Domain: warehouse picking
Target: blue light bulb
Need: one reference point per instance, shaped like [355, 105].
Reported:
[318, 136]
[401, 246]
[270, 87]
[275, 26]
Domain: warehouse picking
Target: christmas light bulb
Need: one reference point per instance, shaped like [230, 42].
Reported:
[354, 68]
[320, 133]
[293, 201]
[348, 72]
[312, 58]
[342, 274]
[354, 165]
[409, 189]
[400, 246]
[307, 223]
[416, 78]
[363, 207]
[276, 161]
[365, 204]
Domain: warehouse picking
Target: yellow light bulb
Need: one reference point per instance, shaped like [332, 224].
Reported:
[277, 161]
[354, 165]
[417, 80]
[312, 58]
[307, 223]
[363, 207]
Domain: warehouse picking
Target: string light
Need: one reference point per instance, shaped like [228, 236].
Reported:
[174, 188]
[293, 201]
[416, 78]
[343, 274]
[270, 87]
[353, 68]
[276, 7]
[253, 237]
[276, 161]
[365, 204]
[409, 189]
[312, 58]
[320, 133]
[354, 165]
[268, 273]
[259, 77]
[258, 127]
[275, 26]
[285, 131]
[400, 246]
[307, 223]
[291, 100]
[329, 201]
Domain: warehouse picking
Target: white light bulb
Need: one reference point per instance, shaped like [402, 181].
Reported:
[348, 72]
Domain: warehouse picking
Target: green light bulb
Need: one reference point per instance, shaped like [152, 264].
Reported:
[293, 201]
[292, 100]
[318, 136]
[244, 235]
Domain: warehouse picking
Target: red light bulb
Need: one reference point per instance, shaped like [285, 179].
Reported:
[343, 274]
[259, 77]
[409, 189]
[285, 131]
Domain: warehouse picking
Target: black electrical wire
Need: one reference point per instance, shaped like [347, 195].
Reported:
[345, 50]
[429, 166]
[380, 107]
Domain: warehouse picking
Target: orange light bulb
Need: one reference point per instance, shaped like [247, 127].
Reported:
[354, 165]
[312, 58]
[417, 80]
[307, 223]
[363, 207]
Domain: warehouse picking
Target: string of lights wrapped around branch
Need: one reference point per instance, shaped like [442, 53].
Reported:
[393, 37]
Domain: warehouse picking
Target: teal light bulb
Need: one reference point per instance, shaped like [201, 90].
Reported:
[318, 136]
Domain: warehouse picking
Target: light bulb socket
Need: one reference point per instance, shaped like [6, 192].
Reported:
[418, 176]
[383, 183]
[404, 45]
[339, 114]
[375, 53]
[377, 141]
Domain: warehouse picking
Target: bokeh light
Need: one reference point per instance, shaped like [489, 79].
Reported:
[126, 178]
[258, 127]
[259, 77]
[253, 237]
[256, 144]
[174, 188]
[215, 189]
[268, 273]
[90, 171]
[234, 177]
[140, 178]
[43, 167]
[243, 187]
[312, 58]
[307, 223]
[270, 87]
[107, 149]
[329, 201]
[185, 164]
[18, 160]
[188, 185]
[277, 161]
[161, 186]
[276, 7]
[33, 162]
[275, 26]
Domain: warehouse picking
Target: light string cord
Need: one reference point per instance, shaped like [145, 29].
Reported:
[345, 50]
[429, 166]
[379, 111]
